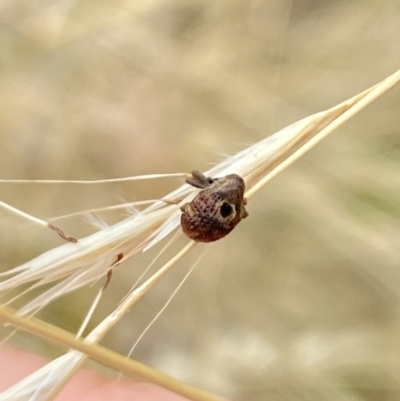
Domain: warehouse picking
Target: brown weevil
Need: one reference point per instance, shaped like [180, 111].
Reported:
[216, 210]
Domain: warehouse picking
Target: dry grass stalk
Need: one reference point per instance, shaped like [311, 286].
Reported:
[92, 257]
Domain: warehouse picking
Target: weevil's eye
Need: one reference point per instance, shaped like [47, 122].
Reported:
[225, 210]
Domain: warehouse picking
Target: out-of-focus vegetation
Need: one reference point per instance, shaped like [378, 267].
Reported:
[301, 301]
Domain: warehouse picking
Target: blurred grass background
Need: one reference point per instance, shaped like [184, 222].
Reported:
[301, 302]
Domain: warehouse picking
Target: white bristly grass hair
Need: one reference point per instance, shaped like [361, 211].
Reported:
[78, 264]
